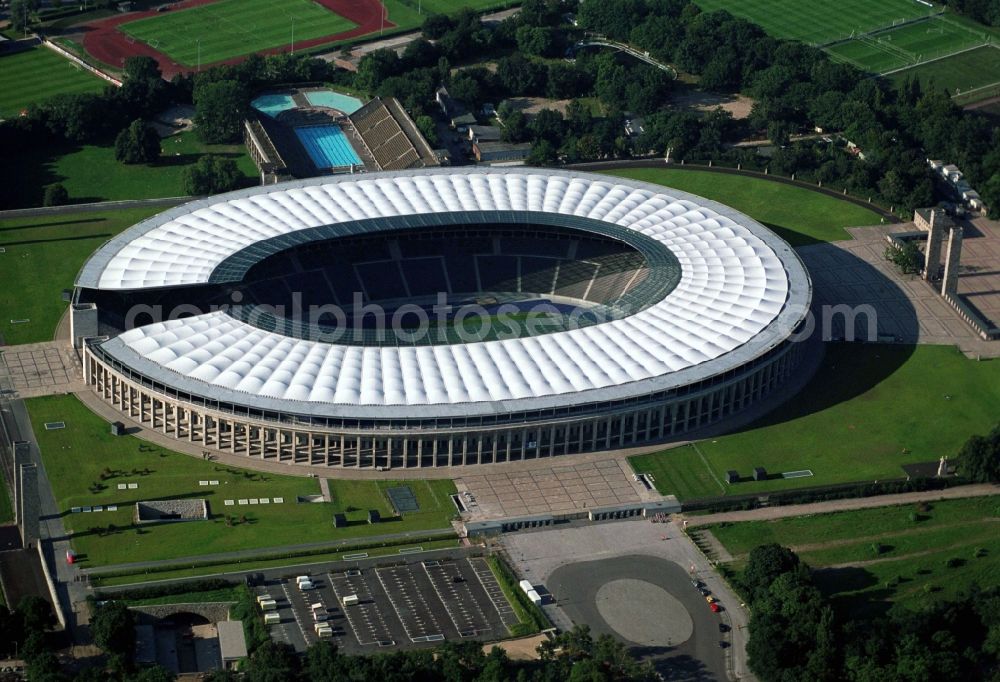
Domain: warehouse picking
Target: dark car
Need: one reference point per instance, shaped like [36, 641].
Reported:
[724, 628]
[723, 644]
[458, 579]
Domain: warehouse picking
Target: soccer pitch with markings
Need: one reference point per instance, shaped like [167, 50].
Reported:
[820, 22]
[232, 28]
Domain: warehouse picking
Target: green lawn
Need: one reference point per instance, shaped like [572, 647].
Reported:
[913, 546]
[959, 73]
[75, 458]
[6, 508]
[906, 45]
[798, 215]
[819, 22]
[233, 28]
[260, 565]
[42, 257]
[861, 418]
[37, 74]
[91, 173]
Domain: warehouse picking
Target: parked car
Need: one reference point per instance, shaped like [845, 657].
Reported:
[715, 607]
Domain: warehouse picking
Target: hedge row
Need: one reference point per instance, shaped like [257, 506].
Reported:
[532, 618]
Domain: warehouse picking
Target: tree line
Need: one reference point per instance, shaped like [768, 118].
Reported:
[796, 634]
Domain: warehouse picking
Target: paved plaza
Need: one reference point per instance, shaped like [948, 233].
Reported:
[43, 368]
[979, 276]
[554, 489]
[908, 310]
[578, 566]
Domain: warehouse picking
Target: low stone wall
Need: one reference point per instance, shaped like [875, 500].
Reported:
[212, 611]
[171, 510]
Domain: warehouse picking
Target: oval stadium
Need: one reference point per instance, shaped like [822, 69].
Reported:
[441, 317]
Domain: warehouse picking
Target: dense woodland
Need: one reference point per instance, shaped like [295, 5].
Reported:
[796, 634]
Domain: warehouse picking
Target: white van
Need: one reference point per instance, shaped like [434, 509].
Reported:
[271, 618]
[323, 630]
[263, 597]
[268, 605]
[351, 600]
[306, 585]
[303, 579]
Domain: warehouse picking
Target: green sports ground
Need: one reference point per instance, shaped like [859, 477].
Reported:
[35, 75]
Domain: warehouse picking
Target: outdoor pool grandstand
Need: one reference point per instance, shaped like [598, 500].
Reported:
[439, 317]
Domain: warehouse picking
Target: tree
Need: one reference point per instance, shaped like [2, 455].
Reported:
[375, 67]
[220, 108]
[272, 662]
[979, 458]
[907, 258]
[426, 126]
[112, 627]
[55, 195]
[764, 564]
[436, 25]
[211, 175]
[21, 12]
[535, 41]
[138, 143]
[542, 154]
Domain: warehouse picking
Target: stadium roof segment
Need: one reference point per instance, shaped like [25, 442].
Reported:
[741, 292]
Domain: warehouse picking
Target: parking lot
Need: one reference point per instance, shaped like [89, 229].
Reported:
[405, 605]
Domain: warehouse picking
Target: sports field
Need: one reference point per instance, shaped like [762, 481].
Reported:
[37, 74]
[85, 464]
[799, 215]
[959, 73]
[232, 28]
[908, 45]
[860, 418]
[897, 553]
[820, 22]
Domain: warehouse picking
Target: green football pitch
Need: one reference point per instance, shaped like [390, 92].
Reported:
[820, 22]
[960, 73]
[907, 45]
[232, 28]
[37, 74]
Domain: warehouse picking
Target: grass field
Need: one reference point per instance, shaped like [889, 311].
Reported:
[395, 550]
[898, 554]
[907, 45]
[6, 507]
[232, 28]
[859, 419]
[799, 215]
[91, 173]
[42, 257]
[819, 22]
[959, 73]
[76, 457]
[37, 74]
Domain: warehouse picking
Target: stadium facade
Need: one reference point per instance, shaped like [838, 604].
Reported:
[663, 313]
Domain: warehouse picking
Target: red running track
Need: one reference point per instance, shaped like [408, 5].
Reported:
[103, 41]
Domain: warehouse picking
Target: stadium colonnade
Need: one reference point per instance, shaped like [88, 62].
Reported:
[721, 340]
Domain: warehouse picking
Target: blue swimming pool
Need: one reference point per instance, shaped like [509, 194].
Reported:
[334, 100]
[327, 146]
[272, 105]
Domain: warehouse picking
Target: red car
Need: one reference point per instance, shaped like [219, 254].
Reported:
[714, 606]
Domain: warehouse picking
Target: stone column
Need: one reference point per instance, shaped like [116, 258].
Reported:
[953, 259]
[22, 455]
[932, 255]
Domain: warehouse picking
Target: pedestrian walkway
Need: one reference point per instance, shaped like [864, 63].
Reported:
[771, 513]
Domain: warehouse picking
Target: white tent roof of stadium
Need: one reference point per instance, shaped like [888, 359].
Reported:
[742, 291]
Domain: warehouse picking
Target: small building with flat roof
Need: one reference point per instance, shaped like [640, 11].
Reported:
[232, 642]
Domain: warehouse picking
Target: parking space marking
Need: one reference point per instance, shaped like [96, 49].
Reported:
[364, 617]
[457, 598]
[493, 591]
[408, 601]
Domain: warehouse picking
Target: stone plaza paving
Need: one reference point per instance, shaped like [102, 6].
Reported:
[46, 368]
[555, 489]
